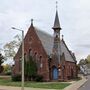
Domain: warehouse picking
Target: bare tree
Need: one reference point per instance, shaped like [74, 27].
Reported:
[11, 47]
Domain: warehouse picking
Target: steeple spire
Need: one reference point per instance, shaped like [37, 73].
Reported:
[31, 22]
[56, 22]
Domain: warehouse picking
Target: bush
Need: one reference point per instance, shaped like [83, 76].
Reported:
[1, 69]
[8, 73]
[39, 78]
[16, 77]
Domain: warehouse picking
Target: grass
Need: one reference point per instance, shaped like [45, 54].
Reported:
[46, 85]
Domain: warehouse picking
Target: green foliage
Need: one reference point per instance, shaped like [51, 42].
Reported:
[7, 69]
[1, 59]
[88, 59]
[1, 62]
[39, 78]
[85, 61]
[16, 77]
[82, 62]
[30, 68]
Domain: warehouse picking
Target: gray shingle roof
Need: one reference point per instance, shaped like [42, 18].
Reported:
[47, 42]
[46, 39]
[67, 53]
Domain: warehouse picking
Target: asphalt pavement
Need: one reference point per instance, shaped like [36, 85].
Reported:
[77, 84]
[86, 86]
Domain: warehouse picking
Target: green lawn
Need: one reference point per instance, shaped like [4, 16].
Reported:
[47, 85]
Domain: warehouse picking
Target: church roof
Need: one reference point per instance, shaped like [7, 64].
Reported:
[47, 42]
[46, 39]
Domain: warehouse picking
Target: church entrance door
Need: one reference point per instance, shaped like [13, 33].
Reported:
[55, 73]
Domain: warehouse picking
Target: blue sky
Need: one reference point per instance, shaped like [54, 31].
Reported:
[74, 18]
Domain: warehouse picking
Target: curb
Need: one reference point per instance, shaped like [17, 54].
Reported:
[83, 84]
[76, 84]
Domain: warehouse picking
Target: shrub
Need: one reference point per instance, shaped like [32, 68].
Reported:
[8, 72]
[16, 77]
[39, 78]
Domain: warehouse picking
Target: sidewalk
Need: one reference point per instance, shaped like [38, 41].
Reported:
[76, 84]
[19, 88]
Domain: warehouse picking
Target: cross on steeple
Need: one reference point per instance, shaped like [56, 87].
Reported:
[56, 5]
[31, 22]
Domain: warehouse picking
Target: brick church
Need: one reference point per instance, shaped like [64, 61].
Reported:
[55, 61]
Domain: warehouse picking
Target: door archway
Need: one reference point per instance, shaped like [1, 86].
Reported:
[55, 73]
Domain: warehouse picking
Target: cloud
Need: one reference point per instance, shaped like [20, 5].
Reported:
[87, 46]
[74, 18]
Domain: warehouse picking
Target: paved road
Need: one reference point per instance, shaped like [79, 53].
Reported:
[86, 86]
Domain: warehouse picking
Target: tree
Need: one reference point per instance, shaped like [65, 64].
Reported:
[26, 70]
[11, 47]
[1, 62]
[30, 68]
[82, 62]
[88, 59]
[7, 69]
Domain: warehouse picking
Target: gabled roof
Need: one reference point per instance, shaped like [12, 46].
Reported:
[47, 42]
[46, 39]
[68, 55]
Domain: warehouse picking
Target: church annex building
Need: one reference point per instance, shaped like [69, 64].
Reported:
[55, 61]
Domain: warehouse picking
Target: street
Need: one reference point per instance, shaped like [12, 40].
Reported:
[86, 86]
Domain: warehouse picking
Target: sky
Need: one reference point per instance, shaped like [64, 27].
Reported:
[74, 16]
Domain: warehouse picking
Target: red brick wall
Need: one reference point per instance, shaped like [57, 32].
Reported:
[70, 69]
[33, 42]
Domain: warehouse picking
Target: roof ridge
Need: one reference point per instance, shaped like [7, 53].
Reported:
[43, 31]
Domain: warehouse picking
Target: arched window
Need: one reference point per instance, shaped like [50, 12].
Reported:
[41, 64]
[35, 55]
[25, 57]
[30, 52]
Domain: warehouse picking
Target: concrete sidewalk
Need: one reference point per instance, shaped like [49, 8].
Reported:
[76, 84]
[19, 88]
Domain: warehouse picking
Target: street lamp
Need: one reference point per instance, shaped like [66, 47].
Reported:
[22, 88]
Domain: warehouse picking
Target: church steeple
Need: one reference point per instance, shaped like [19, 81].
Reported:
[56, 44]
[56, 22]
